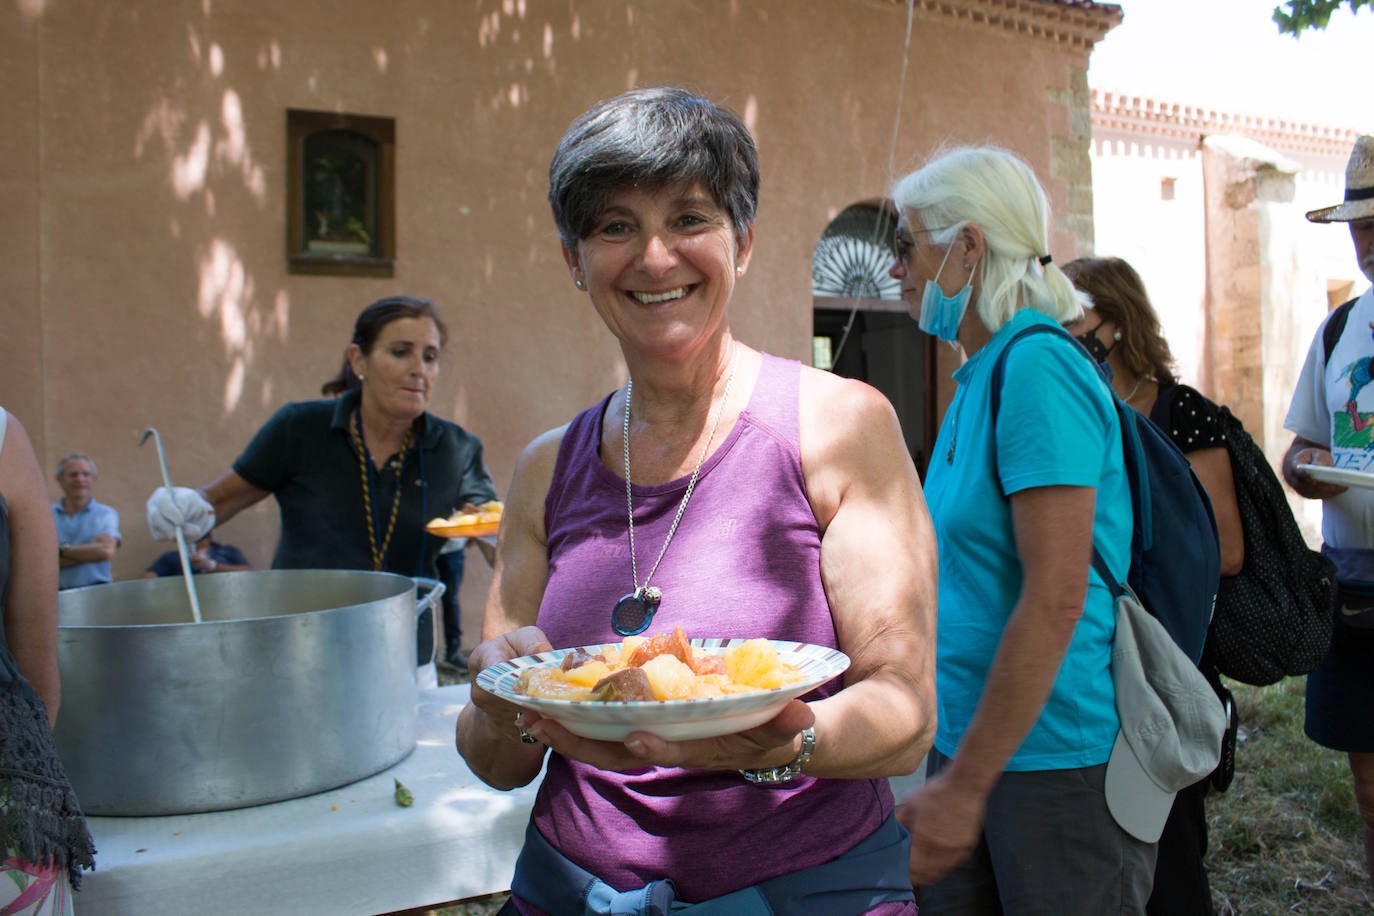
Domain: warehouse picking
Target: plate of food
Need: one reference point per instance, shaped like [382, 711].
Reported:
[672, 686]
[485, 522]
[1343, 477]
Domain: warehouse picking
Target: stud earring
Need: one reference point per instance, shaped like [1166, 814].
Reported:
[739, 271]
[361, 379]
[578, 283]
[1116, 335]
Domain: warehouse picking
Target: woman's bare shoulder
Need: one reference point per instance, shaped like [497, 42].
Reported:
[543, 448]
[838, 404]
[18, 463]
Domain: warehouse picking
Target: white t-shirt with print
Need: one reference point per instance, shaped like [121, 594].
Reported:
[1333, 406]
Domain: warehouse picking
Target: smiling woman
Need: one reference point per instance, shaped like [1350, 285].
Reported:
[766, 500]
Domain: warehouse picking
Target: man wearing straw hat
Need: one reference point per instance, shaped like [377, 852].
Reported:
[1332, 417]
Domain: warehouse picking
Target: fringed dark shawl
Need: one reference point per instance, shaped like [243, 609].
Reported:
[40, 819]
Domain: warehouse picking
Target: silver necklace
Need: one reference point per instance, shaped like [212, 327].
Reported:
[634, 612]
[1134, 389]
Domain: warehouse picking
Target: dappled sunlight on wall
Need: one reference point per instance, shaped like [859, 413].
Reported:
[225, 287]
[212, 165]
[269, 56]
[508, 25]
[234, 151]
[190, 167]
[750, 114]
[159, 206]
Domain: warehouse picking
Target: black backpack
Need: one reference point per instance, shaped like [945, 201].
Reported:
[1274, 617]
[1175, 558]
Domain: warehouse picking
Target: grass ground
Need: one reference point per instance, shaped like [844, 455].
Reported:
[1285, 838]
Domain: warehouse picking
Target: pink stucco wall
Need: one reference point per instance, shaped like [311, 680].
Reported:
[146, 280]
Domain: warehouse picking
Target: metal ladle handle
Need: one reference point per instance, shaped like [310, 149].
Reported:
[181, 536]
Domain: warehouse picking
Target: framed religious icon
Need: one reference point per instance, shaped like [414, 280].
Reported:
[341, 197]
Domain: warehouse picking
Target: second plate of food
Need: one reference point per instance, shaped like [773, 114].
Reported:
[672, 720]
[1344, 477]
[477, 530]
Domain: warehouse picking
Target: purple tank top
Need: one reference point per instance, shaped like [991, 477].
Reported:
[745, 562]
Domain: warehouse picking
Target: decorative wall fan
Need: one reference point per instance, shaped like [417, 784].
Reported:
[854, 254]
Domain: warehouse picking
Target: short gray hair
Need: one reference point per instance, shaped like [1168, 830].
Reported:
[652, 138]
[73, 456]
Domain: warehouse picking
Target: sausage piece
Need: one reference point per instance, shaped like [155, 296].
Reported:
[628, 685]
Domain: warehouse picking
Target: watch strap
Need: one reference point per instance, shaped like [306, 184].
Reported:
[776, 776]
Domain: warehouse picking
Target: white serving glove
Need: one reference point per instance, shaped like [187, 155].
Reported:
[179, 507]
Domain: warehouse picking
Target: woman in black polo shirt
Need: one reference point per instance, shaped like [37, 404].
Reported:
[355, 476]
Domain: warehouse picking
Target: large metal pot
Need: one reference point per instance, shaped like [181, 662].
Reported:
[296, 681]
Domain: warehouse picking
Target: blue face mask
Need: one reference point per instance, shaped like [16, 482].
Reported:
[941, 314]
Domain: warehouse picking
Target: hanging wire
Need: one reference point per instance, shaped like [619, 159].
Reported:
[891, 170]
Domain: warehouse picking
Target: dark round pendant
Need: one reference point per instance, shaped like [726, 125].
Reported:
[633, 613]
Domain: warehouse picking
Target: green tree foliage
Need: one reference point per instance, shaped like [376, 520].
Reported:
[1295, 16]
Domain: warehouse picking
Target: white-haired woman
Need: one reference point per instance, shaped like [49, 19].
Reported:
[1013, 816]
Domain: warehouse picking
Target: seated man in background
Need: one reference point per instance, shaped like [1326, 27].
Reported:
[87, 531]
[208, 557]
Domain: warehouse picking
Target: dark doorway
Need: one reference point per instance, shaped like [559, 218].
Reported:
[888, 351]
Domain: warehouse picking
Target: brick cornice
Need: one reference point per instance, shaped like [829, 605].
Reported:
[1147, 116]
[1077, 23]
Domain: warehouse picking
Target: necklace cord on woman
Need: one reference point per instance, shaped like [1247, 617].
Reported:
[378, 555]
[1134, 388]
[646, 598]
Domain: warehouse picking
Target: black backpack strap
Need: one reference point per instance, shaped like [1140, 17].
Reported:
[1331, 331]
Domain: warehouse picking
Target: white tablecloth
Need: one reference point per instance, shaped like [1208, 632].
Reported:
[347, 851]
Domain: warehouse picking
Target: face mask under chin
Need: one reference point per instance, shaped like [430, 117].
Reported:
[941, 315]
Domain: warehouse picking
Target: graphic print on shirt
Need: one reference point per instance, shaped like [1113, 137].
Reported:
[1352, 429]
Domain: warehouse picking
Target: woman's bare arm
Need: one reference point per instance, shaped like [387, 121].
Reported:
[230, 495]
[1054, 527]
[31, 594]
[878, 566]
[1213, 469]
[486, 734]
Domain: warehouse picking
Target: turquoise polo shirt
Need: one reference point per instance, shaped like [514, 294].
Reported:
[1056, 426]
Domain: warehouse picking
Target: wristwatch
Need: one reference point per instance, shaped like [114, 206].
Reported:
[776, 776]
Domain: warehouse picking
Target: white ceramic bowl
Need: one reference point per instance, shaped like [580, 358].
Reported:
[672, 720]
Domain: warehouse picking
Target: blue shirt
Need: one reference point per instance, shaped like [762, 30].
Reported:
[1056, 426]
[82, 528]
[169, 563]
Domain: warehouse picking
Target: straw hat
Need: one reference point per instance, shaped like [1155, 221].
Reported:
[1359, 188]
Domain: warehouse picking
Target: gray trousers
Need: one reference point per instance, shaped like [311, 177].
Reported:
[1049, 848]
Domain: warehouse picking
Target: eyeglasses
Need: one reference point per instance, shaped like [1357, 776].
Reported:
[904, 242]
[902, 246]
